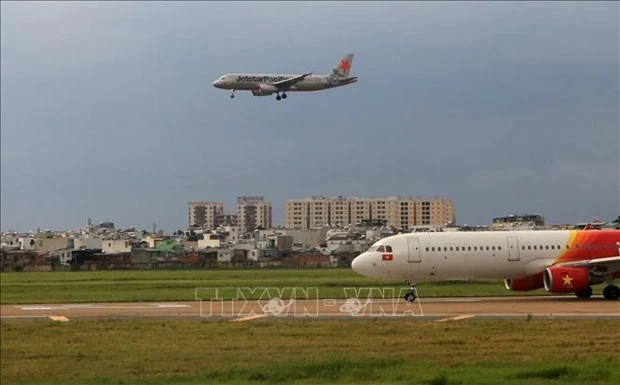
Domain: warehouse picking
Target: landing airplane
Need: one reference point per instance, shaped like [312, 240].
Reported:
[268, 84]
[561, 261]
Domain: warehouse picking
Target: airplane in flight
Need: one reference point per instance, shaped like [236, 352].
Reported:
[561, 261]
[280, 84]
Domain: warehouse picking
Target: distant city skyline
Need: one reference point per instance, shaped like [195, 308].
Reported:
[229, 208]
[107, 109]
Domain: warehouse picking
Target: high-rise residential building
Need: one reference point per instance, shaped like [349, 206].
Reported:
[204, 214]
[226, 219]
[253, 212]
[401, 212]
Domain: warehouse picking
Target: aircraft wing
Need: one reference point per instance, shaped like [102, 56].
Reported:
[284, 84]
[612, 263]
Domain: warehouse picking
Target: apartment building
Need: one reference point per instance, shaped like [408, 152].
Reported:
[401, 212]
[253, 212]
[204, 214]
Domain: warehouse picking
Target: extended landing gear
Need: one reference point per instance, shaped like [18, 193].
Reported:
[611, 292]
[232, 94]
[410, 296]
[278, 97]
[584, 293]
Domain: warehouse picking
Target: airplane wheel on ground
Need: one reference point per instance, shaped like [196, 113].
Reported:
[409, 297]
[585, 293]
[611, 292]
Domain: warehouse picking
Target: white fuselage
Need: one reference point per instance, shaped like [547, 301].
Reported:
[248, 82]
[477, 255]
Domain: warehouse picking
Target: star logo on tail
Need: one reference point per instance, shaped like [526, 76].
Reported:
[344, 65]
[568, 280]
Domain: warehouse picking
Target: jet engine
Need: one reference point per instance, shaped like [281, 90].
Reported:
[264, 90]
[566, 279]
[529, 283]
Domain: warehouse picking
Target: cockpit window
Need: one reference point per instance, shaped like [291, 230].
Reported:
[381, 248]
[388, 249]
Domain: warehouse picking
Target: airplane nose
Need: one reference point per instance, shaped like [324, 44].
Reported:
[216, 83]
[358, 264]
[355, 264]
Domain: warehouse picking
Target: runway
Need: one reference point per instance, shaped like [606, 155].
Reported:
[433, 309]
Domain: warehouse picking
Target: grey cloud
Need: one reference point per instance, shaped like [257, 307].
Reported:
[108, 111]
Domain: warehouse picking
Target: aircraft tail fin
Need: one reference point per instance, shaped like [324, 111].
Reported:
[342, 69]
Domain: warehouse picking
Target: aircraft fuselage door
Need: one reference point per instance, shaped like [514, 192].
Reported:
[413, 246]
[513, 248]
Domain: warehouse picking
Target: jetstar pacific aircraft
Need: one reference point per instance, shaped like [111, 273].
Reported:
[280, 84]
[561, 261]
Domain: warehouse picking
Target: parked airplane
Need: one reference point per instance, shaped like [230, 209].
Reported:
[561, 261]
[268, 84]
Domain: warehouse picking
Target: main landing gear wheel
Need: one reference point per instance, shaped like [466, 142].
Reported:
[584, 293]
[278, 97]
[611, 292]
[410, 295]
[284, 95]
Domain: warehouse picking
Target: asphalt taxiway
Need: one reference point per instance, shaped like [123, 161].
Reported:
[437, 309]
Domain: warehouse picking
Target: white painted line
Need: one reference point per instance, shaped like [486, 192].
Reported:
[59, 318]
[462, 300]
[22, 316]
[248, 318]
[102, 306]
[163, 306]
[329, 302]
[457, 318]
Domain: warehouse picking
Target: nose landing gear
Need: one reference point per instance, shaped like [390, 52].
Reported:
[412, 294]
[232, 94]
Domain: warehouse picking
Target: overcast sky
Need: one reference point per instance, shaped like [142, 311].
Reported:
[108, 110]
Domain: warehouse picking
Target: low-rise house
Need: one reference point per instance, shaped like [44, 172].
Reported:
[45, 245]
[87, 243]
[28, 243]
[63, 256]
[115, 246]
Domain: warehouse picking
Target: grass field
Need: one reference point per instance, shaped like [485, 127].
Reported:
[310, 352]
[180, 285]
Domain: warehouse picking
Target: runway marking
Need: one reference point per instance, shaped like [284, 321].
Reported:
[59, 318]
[457, 318]
[103, 306]
[456, 300]
[248, 318]
[172, 305]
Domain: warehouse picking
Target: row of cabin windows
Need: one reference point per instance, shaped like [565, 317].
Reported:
[546, 247]
[468, 248]
[523, 247]
[583, 247]
[388, 249]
